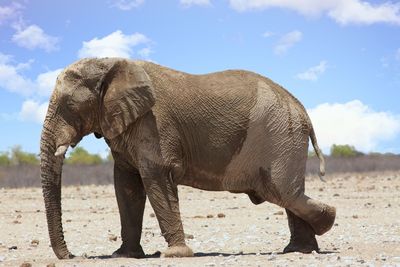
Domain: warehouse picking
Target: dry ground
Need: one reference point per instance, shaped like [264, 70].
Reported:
[367, 230]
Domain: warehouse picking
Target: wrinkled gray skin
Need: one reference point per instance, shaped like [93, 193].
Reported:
[228, 131]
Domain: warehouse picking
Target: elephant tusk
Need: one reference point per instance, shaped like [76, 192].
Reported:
[61, 150]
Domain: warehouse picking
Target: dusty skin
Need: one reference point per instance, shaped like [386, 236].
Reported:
[223, 229]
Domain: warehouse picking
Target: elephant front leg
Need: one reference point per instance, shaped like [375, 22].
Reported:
[163, 197]
[131, 199]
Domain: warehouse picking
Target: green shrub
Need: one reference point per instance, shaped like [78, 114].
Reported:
[81, 156]
[5, 159]
[19, 157]
[344, 151]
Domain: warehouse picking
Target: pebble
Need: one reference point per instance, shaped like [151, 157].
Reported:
[271, 257]
[2, 258]
[26, 264]
[112, 237]
[34, 243]
[189, 236]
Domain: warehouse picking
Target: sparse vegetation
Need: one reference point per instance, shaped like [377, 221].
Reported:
[81, 156]
[19, 157]
[16, 157]
[4, 159]
[345, 151]
[109, 157]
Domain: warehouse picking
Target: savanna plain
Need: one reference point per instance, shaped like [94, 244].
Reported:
[223, 229]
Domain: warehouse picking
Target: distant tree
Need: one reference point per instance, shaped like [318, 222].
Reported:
[311, 153]
[19, 157]
[81, 156]
[109, 157]
[5, 159]
[344, 151]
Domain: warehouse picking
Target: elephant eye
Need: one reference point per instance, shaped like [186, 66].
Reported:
[71, 106]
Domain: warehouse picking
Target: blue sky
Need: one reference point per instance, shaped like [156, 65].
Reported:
[340, 58]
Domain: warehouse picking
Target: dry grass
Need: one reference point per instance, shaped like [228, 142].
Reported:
[102, 174]
[360, 164]
[29, 175]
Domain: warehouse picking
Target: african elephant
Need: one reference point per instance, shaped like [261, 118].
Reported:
[231, 131]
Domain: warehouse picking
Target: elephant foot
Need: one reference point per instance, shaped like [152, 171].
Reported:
[324, 222]
[178, 251]
[303, 246]
[123, 252]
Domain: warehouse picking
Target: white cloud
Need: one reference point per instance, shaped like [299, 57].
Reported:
[342, 11]
[397, 56]
[9, 12]
[127, 4]
[188, 3]
[353, 123]
[4, 59]
[13, 80]
[362, 12]
[33, 37]
[287, 41]
[313, 73]
[115, 44]
[33, 111]
[145, 52]
[268, 34]
[46, 81]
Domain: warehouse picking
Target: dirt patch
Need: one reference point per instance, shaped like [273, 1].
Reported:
[238, 233]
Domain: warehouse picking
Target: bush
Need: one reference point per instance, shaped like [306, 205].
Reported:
[344, 151]
[5, 159]
[81, 156]
[19, 157]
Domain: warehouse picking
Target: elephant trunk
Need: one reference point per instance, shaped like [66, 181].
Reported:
[51, 169]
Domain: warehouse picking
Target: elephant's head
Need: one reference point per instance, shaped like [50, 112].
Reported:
[92, 95]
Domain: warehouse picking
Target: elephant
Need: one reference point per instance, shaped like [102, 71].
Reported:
[232, 130]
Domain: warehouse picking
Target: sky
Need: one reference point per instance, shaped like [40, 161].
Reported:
[340, 58]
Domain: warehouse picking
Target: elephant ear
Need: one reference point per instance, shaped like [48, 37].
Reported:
[126, 94]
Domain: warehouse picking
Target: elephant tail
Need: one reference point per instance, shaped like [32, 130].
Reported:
[319, 154]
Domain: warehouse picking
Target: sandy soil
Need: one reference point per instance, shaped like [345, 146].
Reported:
[367, 230]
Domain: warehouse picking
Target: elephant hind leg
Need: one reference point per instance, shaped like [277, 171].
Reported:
[319, 215]
[302, 236]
